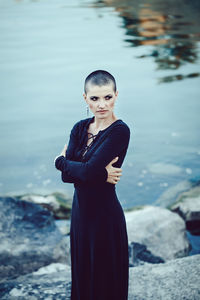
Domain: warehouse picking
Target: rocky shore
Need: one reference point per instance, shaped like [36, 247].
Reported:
[177, 279]
[35, 253]
[188, 207]
[29, 238]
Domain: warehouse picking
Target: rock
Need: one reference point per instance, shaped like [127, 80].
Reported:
[174, 280]
[49, 283]
[160, 230]
[53, 268]
[169, 195]
[139, 255]
[188, 207]
[59, 204]
[29, 238]
[177, 279]
[64, 226]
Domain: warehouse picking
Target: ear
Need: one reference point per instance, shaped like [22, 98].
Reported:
[116, 94]
[85, 97]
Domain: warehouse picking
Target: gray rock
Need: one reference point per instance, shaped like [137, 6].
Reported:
[170, 194]
[53, 268]
[29, 238]
[50, 283]
[175, 280]
[188, 207]
[139, 255]
[160, 230]
[59, 204]
[64, 226]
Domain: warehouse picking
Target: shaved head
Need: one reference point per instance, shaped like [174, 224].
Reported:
[100, 78]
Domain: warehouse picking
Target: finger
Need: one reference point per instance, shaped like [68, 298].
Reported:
[116, 179]
[113, 181]
[118, 172]
[117, 169]
[114, 160]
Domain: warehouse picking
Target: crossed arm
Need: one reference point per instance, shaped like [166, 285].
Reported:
[99, 167]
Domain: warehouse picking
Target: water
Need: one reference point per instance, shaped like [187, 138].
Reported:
[195, 243]
[47, 48]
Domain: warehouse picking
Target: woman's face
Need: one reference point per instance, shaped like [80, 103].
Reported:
[101, 100]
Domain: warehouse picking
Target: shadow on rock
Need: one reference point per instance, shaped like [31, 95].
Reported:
[29, 238]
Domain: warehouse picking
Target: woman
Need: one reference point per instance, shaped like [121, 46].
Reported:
[92, 161]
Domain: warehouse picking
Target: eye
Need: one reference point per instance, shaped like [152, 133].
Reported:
[108, 97]
[93, 98]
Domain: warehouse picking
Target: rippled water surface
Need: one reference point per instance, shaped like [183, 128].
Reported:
[47, 48]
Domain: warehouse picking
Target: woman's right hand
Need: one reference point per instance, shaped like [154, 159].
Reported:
[113, 172]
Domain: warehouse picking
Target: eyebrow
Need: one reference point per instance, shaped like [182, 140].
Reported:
[98, 97]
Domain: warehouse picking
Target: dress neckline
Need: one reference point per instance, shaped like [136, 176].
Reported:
[94, 136]
[91, 121]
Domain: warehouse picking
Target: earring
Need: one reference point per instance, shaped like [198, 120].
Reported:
[87, 110]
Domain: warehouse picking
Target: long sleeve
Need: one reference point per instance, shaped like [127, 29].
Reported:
[94, 169]
[73, 140]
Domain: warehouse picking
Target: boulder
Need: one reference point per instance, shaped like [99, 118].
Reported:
[59, 204]
[139, 255]
[160, 230]
[177, 279]
[187, 206]
[29, 238]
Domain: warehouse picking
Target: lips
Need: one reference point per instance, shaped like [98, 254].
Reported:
[101, 110]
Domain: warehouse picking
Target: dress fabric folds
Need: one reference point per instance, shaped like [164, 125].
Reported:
[98, 233]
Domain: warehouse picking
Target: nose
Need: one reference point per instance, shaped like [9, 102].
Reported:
[101, 103]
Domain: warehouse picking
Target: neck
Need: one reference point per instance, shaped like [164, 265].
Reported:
[103, 123]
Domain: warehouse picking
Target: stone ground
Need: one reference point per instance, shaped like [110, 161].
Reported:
[177, 279]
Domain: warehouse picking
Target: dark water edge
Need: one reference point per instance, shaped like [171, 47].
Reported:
[195, 243]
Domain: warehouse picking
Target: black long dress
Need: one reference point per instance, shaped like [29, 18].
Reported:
[98, 234]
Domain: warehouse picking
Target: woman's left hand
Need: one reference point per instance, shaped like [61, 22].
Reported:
[62, 153]
[64, 150]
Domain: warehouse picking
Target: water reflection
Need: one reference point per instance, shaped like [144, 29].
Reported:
[177, 77]
[170, 27]
[43, 65]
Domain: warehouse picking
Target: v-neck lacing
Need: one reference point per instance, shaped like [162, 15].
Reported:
[93, 136]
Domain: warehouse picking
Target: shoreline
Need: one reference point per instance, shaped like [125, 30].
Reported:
[60, 205]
